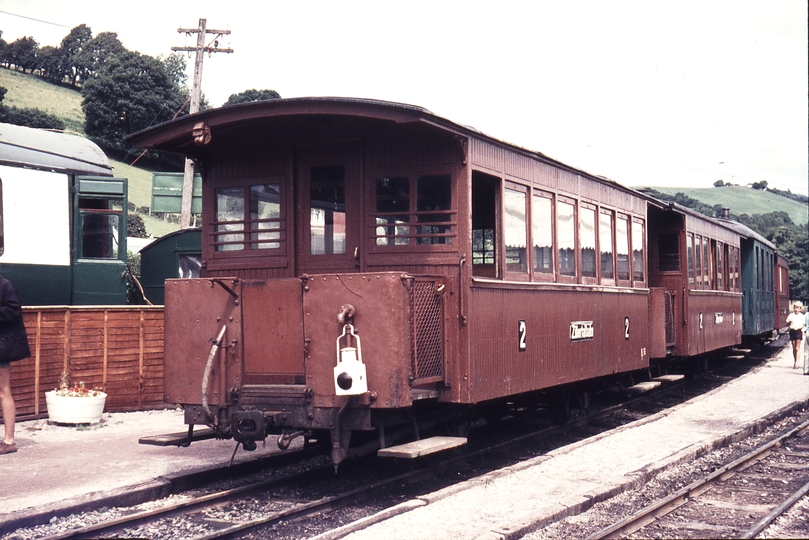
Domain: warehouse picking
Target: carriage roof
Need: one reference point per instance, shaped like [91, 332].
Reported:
[176, 136]
[51, 151]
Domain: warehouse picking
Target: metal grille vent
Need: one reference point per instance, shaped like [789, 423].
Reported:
[670, 337]
[428, 360]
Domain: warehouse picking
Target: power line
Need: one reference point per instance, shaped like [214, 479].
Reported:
[33, 19]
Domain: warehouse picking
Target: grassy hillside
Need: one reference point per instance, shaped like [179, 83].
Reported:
[28, 92]
[743, 200]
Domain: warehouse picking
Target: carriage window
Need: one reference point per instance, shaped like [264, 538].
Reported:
[720, 266]
[542, 233]
[433, 203]
[734, 268]
[698, 261]
[265, 216]
[690, 250]
[622, 246]
[100, 228]
[393, 211]
[605, 244]
[668, 252]
[260, 214]
[565, 238]
[485, 201]
[638, 237]
[707, 263]
[327, 210]
[413, 212]
[587, 240]
[515, 234]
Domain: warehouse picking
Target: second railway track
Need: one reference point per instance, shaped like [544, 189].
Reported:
[738, 500]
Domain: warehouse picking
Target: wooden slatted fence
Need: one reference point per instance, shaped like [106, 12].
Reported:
[119, 349]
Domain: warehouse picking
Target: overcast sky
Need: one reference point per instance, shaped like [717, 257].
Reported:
[644, 92]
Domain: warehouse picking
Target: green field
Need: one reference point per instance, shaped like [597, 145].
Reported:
[744, 200]
[28, 92]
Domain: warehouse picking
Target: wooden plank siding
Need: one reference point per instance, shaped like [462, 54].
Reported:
[119, 349]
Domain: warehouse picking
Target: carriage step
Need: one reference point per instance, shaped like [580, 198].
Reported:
[643, 387]
[670, 378]
[177, 439]
[422, 448]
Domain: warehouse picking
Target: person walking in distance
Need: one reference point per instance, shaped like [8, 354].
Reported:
[13, 347]
[797, 323]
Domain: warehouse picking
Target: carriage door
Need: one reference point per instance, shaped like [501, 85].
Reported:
[329, 182]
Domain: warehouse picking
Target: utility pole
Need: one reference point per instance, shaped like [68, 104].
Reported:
[196, 93]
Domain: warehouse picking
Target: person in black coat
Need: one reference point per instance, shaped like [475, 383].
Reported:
[13, 347]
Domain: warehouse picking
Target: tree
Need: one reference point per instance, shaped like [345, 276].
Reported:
[71, 48]
[252, 95]
[135, 227]
[175, 68]
[175, 65]
[96, 52]
[719, 183]
[793, 243]
[129, 93]
[759, 185]
[49, 63]
[22, 53]
[3, 51]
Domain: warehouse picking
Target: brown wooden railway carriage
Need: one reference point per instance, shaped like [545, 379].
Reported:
[781, 287]
[695, 266]
[470, 269]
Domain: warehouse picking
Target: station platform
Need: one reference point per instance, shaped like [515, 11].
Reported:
[59, 467]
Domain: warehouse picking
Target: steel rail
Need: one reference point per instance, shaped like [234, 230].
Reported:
[211, 498]
[668, 504]
[777, 511]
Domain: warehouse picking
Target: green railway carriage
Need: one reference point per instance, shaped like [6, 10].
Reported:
[758, 265]
[62, 219]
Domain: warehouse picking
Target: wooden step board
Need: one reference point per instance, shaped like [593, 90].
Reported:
[670, 378]
[640, 388]
[422, 448]
[177, 439]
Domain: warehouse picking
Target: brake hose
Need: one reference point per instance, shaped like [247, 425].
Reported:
[207, 374]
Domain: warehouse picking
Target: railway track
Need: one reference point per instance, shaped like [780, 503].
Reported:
[277, 504]
[739, 500]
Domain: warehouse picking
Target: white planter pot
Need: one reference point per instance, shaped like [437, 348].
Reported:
[75, 410]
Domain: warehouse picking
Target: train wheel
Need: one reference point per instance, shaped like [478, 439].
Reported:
[460, 425]
[560, 405]
[584, 396]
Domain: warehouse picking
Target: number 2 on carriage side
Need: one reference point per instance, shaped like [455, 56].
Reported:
[521, 330]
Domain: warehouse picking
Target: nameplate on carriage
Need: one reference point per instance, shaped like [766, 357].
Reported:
[581, 331]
